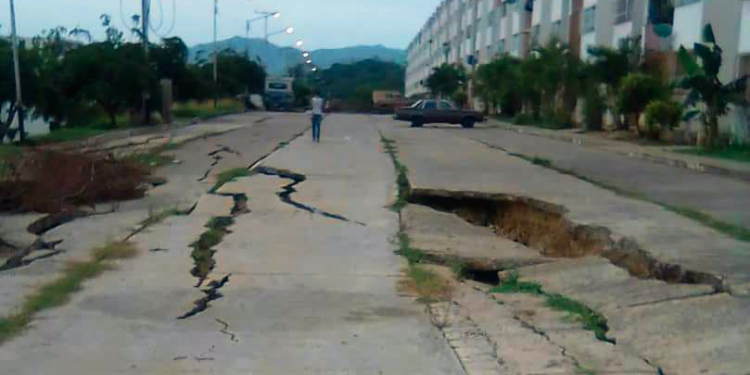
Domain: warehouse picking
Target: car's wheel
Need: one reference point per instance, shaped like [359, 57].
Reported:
[468, 122]
[417, 122]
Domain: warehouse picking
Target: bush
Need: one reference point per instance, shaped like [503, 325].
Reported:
[594, 105]
[523, 119]
[662, 114]
[637, 90]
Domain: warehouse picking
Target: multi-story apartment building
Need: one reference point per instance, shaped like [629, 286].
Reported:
[461, 31]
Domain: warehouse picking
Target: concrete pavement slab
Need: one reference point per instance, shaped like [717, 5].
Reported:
[704, 335]
[307, 294]
[469, 166]
[719, 196]
[446, 235]
[605, 287]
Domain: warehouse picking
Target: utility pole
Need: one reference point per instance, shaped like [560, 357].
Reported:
[17, 69]
[247, 40]
[145, 16]
[216, 57]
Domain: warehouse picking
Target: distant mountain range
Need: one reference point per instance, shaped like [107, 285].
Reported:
[278, 59]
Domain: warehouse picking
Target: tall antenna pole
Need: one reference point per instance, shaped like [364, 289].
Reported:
[17, 69]
[216, 57]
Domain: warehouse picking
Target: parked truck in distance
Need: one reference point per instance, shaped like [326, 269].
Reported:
[388, 101]
[279, 94]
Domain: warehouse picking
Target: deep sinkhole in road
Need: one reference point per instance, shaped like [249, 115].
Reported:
[543, 227]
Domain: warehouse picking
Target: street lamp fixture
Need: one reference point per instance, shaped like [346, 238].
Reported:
[288, 30]
[308, 62]
[314, 69]
[299, 43]
[276, 15]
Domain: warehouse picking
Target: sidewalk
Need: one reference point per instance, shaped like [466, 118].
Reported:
[657, 154]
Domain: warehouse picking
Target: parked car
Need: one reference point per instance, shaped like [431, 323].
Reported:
[431, 111]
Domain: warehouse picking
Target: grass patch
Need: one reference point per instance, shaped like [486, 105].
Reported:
[68, 134]
[511, 284]
[228, 176]
[59, 291]
[402, 178]
[428, 285]
[740, 153]
[412, 255]
[151, 159]
[7, 151]
[194, 109]
[159, 217]
[590, 319]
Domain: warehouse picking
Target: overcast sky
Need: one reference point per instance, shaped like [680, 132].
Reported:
[320, 23]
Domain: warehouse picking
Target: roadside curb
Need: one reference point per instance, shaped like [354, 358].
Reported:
[674, 162]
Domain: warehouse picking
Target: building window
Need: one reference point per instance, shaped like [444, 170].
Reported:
[624, 11]
[556, 29]
[535, 33]
[589, 20]
[516, 45]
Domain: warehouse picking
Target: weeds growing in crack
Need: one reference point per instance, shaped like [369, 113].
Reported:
[590, 319]
[428, 285]
[159, 217]
[229, 176]
[58, 292]
[402, 178]
[203, 252]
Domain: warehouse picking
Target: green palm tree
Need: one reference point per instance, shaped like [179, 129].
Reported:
[702, 79]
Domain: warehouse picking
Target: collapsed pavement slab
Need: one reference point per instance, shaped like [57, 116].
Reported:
[603, 286]
[670, 239]
[446, 236]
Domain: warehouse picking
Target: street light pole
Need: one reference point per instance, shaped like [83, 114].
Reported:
[145, 96]
[17, 68]
[216, 57]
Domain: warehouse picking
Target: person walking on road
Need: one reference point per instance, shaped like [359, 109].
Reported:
[317, 116]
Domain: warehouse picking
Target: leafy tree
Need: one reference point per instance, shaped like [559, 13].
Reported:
[702, 79]
[496, 83]
[341, 81]
[237, 74]
[302, 93]
[609, 66]
[446, 79]
[55, 105]
[113, 74]
[637, 90]
[29, 63]
[662, 114]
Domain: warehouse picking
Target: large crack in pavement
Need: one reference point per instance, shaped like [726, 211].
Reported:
[203, 256]
[287, 191]
[544, 227]
[216, 157]
[212, 294]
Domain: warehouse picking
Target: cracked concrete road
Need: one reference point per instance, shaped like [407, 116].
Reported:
[308, 294]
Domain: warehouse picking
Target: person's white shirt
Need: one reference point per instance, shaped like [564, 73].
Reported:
[317, 105]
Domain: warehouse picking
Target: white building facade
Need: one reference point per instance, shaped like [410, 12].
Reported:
[460, 31]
